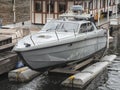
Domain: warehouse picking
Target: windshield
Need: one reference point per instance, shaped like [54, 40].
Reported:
[61, 26]
[53, 25]
[69, 27]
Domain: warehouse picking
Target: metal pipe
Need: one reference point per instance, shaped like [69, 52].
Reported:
[74, 32]
[116, 8]
[49, 8]
[56, 35]
[14, 12]
[32, 40]
[98, 12]
[108, 11]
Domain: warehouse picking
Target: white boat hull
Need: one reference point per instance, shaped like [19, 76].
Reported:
[47, 57]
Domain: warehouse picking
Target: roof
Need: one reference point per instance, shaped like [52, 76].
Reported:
[79, 22]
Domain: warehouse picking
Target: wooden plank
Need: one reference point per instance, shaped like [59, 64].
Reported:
[7, 46]
[82, 64]
[7, 62]
[72, 68]
[63, 71]
[7, 55]
[2, 38]
[5, 40]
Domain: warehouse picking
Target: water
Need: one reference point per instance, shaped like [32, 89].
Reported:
[42, 82]
[47, 82]
[113, 82]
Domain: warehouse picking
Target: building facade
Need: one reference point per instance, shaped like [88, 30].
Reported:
[43, 9]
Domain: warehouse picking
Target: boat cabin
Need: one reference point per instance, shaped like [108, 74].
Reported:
[69, 26]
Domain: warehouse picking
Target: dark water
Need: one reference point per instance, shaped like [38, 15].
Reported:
[113, 82]
[47, 82]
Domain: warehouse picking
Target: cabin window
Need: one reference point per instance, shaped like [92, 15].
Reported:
[62, 6]
[50, 6]
[89, 27]
[38, 6]
[86, 27]
[83, 28]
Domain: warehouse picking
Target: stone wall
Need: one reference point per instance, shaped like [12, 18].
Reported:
[22, 11]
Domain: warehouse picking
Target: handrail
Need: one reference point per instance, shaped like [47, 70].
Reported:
[74, 32]
[56, 35]
[32, 39]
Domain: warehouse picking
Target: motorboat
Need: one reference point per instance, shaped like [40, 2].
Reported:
[60, 42]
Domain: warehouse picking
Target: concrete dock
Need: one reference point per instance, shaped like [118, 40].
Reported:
[80, 80]
[8, 37]
[8, 59]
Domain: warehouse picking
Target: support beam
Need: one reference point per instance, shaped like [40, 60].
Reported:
[108, 18]
[116, 8]
[98, 12]
[14, 11]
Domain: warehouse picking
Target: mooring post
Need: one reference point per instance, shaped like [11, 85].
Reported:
[72, 79]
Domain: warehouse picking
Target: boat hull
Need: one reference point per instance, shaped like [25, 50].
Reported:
[52, 56]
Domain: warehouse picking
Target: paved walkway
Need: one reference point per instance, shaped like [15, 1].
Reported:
[105, 23]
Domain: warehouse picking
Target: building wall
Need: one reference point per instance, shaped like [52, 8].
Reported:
[22, 11]
[90, 6]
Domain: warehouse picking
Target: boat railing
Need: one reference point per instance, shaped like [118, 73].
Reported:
[64, 31]
[56, 35]
[32, 40]
[74, 32]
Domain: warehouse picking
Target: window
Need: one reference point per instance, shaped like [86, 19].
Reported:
[38, 6]
[52, 25]
[78, 2]
[62, 6]
[60, 26]
[50, 6]
[90, 27]
[86, 27]
[69, 27]
[103, 4]
[83, 28]
[96, 4]
[91, 5]
[85, 5]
